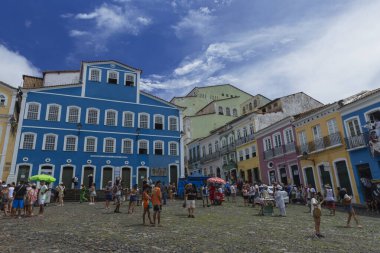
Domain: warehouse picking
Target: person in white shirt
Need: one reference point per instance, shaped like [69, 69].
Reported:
[330, 199]
[349, 209]
[233, 192]
[280, 200]
[316, 212]
[42, 197]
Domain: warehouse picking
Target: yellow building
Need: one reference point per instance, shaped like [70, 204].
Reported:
[248, 161]
[322, 150]
[8, 126]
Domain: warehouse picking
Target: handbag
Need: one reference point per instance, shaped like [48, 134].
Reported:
[150, 205]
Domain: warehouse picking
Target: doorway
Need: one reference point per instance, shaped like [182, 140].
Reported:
[23, 173]
[67, 176]
[325, 175]
[250, 175]
[143, 175]
[88, 176]
[296, 175]
[107, 176]
[283, 176]
[310, 176]
[272, 176]
[173, 174]
[126, 177]
[256, 174]
[365, 175]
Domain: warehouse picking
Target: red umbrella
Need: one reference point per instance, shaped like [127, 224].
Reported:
[216, 180]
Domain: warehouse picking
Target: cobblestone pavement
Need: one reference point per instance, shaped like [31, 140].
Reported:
[228, 228]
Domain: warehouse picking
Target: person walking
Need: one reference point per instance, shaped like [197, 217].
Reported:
[117, 188]
[190, 196]
[42, 195]
[11, 189]
[5, 198]
[204, 190]
[156, 201]
[132, 200]
[347, 202]
[61, 193]
[233, 189]
[330, 199]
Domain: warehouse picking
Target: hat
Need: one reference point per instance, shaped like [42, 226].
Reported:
[327, 186]
[312, 190]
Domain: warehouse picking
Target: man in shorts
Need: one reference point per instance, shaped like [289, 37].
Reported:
[156, 202]
[191, 195]
[42, 197]
[18, 202]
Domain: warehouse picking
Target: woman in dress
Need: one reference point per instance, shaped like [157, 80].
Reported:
[61, 193]
[92, 194]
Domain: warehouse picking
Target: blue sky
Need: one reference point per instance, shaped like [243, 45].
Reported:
[328, 49]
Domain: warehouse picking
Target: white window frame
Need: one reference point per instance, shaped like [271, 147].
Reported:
[92, 108]
[302, 137]
[241, 155]
[113, 71]
[163, 121]
[134, 79]
[122, 145]
[139, 123]
[334, 125]
[138, 146]
[105, 116]
[348, 128]
[95, 146]
[65, 142]
[163, 146]
[48, 111]
[318, 129]
[27, 111]
[290, 131]
[133, 118]
[5, 99]
[265, 143]
[275, 136]
[177, 125]
[55, 142]
[23, 137]
[114, 145]
[68, 113]
[100, 75]
[177, 148]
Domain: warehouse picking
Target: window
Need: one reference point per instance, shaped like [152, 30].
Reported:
[73, 114]
[70, 143]
[224, 142]
[111, 118]
[143, 120]
[253, 148]
[353, 127]
[255, 103]
[251, 129]
[173, 123]
[53, 113]
[143, 147]
[241, 155]
[277, 140]
[92, 116]
[233, 157]
[228, 112]
[216, 146]
[250, 106]
[225, 159]
[50, 142]
[234, 112]
[247, 153]
[238, 134]
[28, 141]
[158, 122]
[267, 144]
[33, 111]
[113, 77]
[245, 133]
[109, 145]
[288, 136]
[128, 119]
[243, 110]
[203, 151]
[129, 80]
[231, 139]
[158, 148]
[316, 131]
[210, 148]
[302, 137]
[220, 110]
[127, 146]
[3, 100]
[90, 144]
[332, 126]
[95, 75]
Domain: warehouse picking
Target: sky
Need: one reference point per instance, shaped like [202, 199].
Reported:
[327, 49]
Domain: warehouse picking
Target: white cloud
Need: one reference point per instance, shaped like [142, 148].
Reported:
[13, 66]
[77, 33]
[28, 23]
[188, 67]
[86, 15]
[197, 22]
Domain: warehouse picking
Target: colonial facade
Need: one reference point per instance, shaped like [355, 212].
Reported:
[96, 121]
[9, 109]
[361, 123]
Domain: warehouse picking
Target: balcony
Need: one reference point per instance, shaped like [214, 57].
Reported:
[358, 141]
[245, 140]
[320, 144]
[227, 149]
[210, 157]
[278, 151]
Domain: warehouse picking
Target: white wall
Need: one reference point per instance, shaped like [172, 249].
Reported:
[52, 79]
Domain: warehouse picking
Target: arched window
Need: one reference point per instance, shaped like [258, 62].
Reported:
[173, 123]
[33, 111]
[250, 106]
[110, 118]
[128, 119]
[158, 122]
[71, 143]
[143, 146]
[90, 144]
[113, 77]
[73, 114]
[158, 147]
[255, 103]
[143, 120]
[216, 145]
[234, 112]
[210, 148]
[28, 141]
[50, 142]
[53, 112]
[95, 75]
[3, 100]
[228, 112]
[127, 146]
[109, 145]
[224, 142]
[220, 110]
[173, 148]
[92, 116]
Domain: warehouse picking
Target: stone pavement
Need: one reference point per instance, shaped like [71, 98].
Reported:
[228, 228]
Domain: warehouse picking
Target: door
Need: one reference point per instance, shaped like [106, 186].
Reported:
[325, 176]
[126, 177]
[250, 180]
[296, 175]
[23, 173]
[107, 176]
[67, 176]
[256, 174]
[218, 172]
[87, 171]
[242, 175]
[343, 176]
[283, 176]
[143, 175]
[272, 176]
[173, 174]
[310, 176]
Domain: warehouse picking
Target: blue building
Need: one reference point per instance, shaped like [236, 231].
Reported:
[361, 118]
[96, 121]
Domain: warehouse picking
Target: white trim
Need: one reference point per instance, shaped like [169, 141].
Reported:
[47, 164]
[94, 174]
[130, 69]
[84, 79]
[163, 121]
[48, 111]
[68, 113]
[325, 164]
[304, 174]
[174, 117]
[169, 174]
[85, 144]
[65, 140]
[22, 140]
[134, 78]
[348, 172]
[370, 111]
[108, 76]
[44, 142]
[130, 174]
[110, 156]
[274, 140]
[5, 99]
[102, 172]
[177, 144]
[346, 126]
[275, 175]
[122, 145]
[138, 120]
[26, 112]
[284, 135]
[105, 117]
[17, 169]
[360, 104]
[181, 148]
[271, 144]
[163, 146]
[107, 132]
[138, 89]
[61, 172]
[138, 170]
[98, 118]
[138, 146]
[107, 100]
[89, 75]
[114, 145]
[133, 118]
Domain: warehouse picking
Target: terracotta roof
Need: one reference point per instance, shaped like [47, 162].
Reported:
[310, 112]
[117, 62]
[53, 86]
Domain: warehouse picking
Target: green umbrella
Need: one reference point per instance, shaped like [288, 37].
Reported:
[42, 177]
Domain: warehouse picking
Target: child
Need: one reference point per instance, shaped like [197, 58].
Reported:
[92, 194]
[147, 204]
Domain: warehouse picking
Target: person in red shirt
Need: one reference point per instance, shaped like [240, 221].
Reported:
[156, 202]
